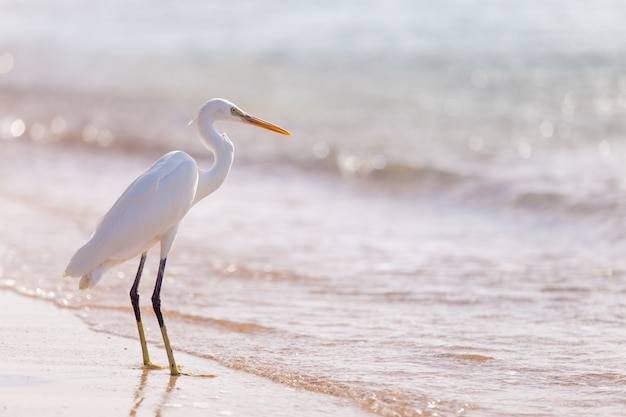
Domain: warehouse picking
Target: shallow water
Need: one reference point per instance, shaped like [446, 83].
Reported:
[442, 235]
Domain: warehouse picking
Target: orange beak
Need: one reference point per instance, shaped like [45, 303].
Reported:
[265, 125]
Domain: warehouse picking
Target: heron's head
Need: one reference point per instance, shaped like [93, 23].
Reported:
[219, 109]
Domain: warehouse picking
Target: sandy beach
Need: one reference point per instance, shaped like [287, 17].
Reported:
[443, 234]
[53, 363]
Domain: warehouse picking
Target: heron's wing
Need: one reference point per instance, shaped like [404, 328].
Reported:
[153, 204]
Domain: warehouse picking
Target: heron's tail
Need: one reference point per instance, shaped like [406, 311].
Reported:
[89, 264]
[90, 279]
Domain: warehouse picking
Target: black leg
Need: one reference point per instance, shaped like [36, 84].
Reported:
[134, 294]
[156, 295]
[134, 299]
[156, 305]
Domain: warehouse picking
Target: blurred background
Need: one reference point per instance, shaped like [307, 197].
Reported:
[448, 87]
[444, 233]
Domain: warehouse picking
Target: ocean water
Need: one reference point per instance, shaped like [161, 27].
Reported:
[443, 235]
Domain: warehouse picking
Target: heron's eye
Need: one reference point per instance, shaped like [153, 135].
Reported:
[233, 111]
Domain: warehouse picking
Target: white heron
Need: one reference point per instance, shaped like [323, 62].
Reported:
[151, 208]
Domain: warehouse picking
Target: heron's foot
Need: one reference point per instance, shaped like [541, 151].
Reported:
[179, 372]
[150, 365]
[197, 375]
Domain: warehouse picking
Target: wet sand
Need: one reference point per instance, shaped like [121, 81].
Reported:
[72, 367]
[494, 318]
[443, 235]
[53, 363]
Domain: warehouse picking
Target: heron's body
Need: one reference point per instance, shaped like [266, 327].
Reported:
[153, 205]
[149, 211]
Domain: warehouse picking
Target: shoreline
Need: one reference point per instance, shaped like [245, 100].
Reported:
[54, 363]
[76, 355]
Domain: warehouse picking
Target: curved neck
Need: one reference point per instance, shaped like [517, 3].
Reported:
[223, 152]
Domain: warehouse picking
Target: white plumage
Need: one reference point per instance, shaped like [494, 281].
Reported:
[151, 208]
[147, 213]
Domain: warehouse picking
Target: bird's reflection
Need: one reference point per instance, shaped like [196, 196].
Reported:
[140, 395]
